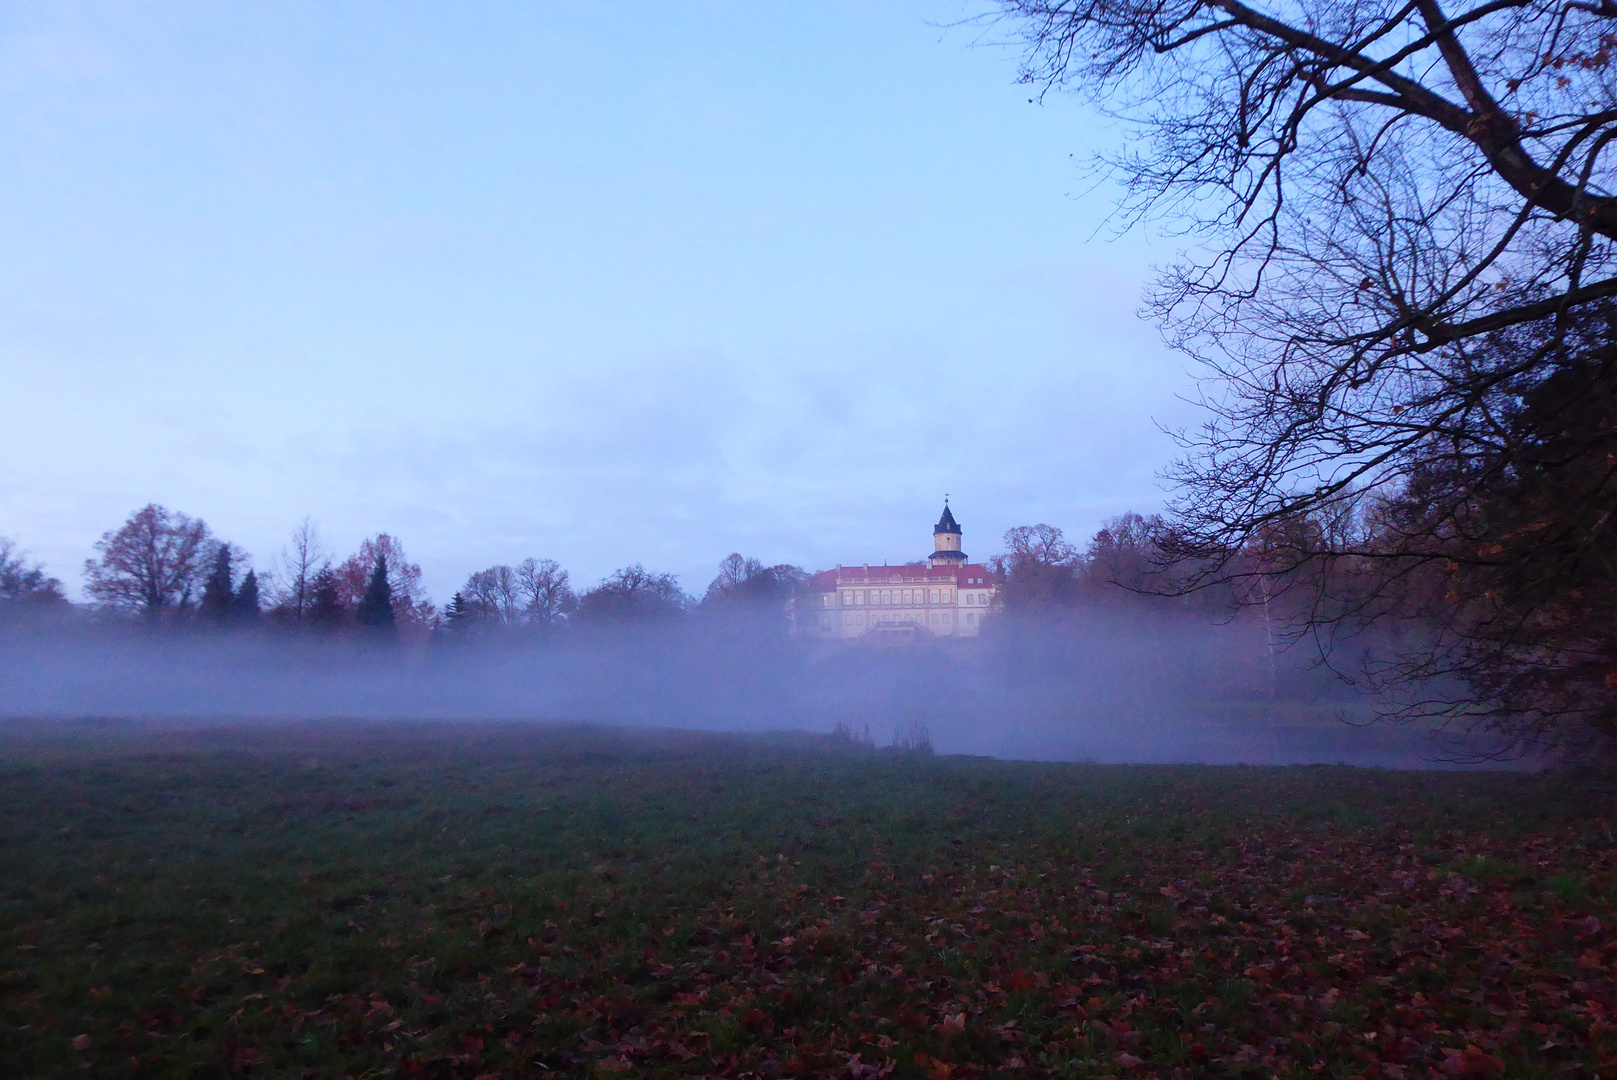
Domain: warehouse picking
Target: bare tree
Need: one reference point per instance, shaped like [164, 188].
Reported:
[746, 588]
[300, 561]
[735, 571]
[547, 596]
[1038, 569]
[1042, 544]
[150, 565]
[1368, 183]
[496, 594]
[1400, 229]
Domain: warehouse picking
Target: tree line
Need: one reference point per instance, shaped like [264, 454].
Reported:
[164, 569]
[1228, 625]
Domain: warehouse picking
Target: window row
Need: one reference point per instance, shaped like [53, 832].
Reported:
[889, 597]
[940, 619]
[902, 597]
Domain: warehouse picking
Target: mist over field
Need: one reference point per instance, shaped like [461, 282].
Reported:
[1114, 689]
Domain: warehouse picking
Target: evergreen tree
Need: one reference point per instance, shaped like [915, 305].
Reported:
[218, 592]
[460, 616]
[375, 610]
[245, 606]
[326, 607]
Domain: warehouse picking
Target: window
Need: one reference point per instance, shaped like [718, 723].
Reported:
[859, 596]
[847, 599]
[825, 601]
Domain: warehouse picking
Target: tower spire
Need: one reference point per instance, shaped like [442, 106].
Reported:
[946, 538]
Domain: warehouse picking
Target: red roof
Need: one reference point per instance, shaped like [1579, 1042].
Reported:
[965, 575]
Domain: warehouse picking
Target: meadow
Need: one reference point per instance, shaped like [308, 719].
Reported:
[491, 900]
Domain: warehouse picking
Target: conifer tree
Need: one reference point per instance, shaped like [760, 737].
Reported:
[218, 592]
[375, 610]
[460, 615]
[246, 607]
[326, 607]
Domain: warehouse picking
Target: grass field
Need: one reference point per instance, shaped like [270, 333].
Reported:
[500, 900]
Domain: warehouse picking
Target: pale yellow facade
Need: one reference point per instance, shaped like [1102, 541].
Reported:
[942, 597]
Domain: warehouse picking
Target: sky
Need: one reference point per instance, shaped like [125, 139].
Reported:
[603, 283]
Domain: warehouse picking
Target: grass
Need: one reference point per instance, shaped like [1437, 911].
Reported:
[503, 900]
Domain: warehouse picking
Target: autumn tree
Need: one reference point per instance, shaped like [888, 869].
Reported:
[633, 595]
[1400, 228]
[151, 565]
[413, 612]
[23, 582]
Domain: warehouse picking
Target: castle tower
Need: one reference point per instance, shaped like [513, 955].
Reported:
[946, 540]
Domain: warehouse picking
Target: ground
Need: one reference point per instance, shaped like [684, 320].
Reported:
[519, 900]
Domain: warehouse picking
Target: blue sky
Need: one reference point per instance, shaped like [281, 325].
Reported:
[604, 283]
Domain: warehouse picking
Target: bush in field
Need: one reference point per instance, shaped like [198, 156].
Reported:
[912, 737]
[858, 737]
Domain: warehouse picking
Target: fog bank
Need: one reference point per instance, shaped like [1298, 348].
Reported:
[1114, 690]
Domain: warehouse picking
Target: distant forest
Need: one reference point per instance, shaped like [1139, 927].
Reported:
[1114, 608]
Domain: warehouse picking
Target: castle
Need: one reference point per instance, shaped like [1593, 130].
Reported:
[942, 597]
